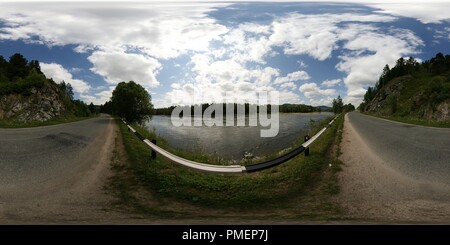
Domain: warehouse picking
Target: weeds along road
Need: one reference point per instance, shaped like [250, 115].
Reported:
[395, 172]
[55, 173]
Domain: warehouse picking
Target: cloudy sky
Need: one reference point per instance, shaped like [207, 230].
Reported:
[309, 52]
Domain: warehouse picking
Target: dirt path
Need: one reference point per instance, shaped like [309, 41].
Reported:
[372, 191]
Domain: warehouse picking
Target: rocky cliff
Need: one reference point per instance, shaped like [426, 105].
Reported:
[412, 91]
[413, 97]
[36, 104]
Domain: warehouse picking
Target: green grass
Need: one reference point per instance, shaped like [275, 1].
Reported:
[54, 121]
[308, 180]
[413, 120]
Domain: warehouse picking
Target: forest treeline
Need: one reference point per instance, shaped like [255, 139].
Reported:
[285, 108]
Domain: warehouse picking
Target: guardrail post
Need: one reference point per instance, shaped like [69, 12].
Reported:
[307, 148]
[153, 152]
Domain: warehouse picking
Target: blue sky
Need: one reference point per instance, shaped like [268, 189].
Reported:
[310, 52]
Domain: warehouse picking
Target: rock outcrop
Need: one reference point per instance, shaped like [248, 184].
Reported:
[37, 104]
[405, 97]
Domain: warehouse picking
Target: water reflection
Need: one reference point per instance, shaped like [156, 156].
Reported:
[231, 143]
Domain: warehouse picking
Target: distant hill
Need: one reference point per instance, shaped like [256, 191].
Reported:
[298, 108]
[412, 90]
[325, 108]
[26, 95]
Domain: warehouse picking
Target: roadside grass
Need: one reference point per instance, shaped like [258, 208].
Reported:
[298, 189]
[53, 121]
[414, 121]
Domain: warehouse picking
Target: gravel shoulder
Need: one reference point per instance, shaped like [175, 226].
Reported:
[373, 191]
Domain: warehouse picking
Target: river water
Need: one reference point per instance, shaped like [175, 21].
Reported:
[231, 143]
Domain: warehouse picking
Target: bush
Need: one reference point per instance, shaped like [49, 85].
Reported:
[21, 86]
[437, 92]
[393, 104]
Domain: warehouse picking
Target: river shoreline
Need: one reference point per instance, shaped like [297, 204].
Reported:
[232, 143]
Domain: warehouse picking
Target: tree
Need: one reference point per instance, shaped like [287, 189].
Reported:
[385, 77]
[412, 65]
[107, 108]
[400, 65]
[368, 96]
[349, 107]
[34, 64]
[92, 108]
[132, 102]
[18, 67]
[66, 90]
[447, 62]
[338, 106]
[3, 66]
[438, 64]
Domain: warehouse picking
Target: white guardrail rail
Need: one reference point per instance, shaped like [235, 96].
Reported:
[231, 169]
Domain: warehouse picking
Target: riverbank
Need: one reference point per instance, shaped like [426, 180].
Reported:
[298, 190]
[233, 143]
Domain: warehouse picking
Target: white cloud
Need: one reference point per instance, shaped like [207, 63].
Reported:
[292, 77]
[160, 30]
[59, 74]
[368, 51]
[116, 67]
[123, 36]
[326, 101]
[254, 28]
[310, 90]
[366, 47]
[75, 70]
[289, 85]
[99, 98]
[331, 83]
[302, 64]
[426, 12]
[244, 47]
[314, 35]
[131, 41]
[290, 97]
[440, 34]
[306, 39]
[212, 80]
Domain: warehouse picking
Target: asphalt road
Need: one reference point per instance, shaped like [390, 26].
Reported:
[33, 155]
[55, 172]
[422, 153]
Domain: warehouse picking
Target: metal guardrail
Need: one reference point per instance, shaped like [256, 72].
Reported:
[231, 169]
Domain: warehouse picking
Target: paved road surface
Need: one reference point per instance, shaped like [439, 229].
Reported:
[394, 172]
[55, 173]
[422, 153]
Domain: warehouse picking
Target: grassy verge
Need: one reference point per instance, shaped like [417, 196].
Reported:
[279, 192]
[54, 121]
[415, 121]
